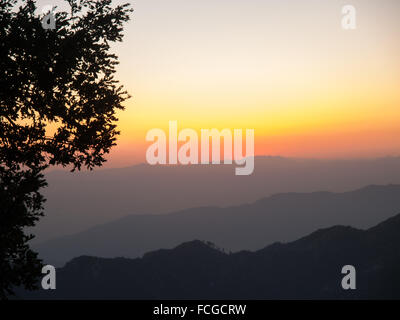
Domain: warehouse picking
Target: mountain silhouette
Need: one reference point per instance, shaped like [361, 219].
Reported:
[80, 200]
[308, 268]
[282, 217]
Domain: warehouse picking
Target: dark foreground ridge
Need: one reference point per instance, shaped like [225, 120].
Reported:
[309, 268]
[282, 217]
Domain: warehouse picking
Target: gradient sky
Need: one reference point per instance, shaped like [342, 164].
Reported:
[284, 68]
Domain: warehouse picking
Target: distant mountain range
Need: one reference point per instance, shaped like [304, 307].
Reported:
[80, 200]
[309, 268]
[282, 217]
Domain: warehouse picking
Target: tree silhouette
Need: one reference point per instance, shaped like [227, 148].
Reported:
[58, 99]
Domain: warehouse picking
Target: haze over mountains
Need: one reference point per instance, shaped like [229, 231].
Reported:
[77, 201]
[117, 215]
[309, 268]
[282, 217]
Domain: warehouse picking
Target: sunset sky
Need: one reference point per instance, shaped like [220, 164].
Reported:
[284, 68]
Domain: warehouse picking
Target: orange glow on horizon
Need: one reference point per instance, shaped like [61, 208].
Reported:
[287, 70]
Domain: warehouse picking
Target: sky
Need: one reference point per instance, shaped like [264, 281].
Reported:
[286, 69]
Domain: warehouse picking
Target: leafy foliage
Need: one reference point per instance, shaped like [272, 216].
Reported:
[58, 104]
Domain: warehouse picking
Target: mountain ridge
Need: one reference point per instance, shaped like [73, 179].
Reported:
[308, 268]
[77, 201]
[283, 217]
